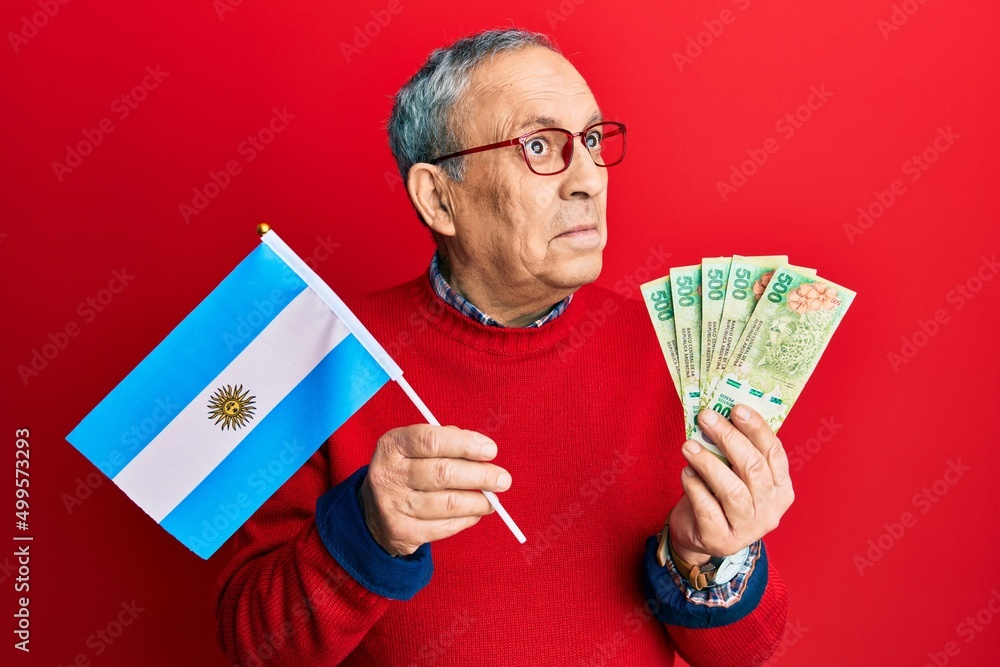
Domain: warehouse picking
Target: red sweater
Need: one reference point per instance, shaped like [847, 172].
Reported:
[590, 429]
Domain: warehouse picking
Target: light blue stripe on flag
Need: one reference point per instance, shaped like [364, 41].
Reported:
[180, 367]
[346, 378]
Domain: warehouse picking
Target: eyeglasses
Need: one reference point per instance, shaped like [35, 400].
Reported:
[549, 151]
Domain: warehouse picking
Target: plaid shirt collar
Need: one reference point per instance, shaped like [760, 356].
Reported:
[462, 305]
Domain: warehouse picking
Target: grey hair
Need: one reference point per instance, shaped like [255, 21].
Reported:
[419, 126]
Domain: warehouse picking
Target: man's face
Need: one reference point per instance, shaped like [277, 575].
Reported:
[535, 237]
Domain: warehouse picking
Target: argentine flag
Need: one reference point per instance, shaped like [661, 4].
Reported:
[236, 398]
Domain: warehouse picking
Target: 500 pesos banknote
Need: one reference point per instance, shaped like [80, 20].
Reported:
[783, 340]
[685, 289]
[714, 277]
[746, 281]
[659, 305]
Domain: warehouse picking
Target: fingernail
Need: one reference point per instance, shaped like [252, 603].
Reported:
[692, 447]
[742, 413]
[503, 481]
[489, 449]
[689, 471]
[711, 416]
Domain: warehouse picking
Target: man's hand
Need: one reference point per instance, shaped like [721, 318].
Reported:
[424, 484]
[724, 510]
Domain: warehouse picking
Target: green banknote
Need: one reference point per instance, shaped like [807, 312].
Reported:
[685, 288]
[659, 305]
[747, 279]
[783, 340]
[714, 276]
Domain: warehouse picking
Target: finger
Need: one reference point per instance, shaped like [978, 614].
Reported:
[426, 441]
[442, 528]
[429, 505]
[709, 518]
[753, 426]
[729, 490]
[748, 462]
[440, 474]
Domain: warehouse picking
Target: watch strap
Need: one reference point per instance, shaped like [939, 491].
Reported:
[692, 573]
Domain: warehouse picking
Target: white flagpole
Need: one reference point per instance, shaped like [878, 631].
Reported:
[334, 302]
[490, 496]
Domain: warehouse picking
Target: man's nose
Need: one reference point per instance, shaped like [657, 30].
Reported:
[583, 176]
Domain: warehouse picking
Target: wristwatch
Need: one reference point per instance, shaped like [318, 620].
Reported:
[719, 570]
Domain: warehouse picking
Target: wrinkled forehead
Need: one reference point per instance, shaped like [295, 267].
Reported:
[524, 90]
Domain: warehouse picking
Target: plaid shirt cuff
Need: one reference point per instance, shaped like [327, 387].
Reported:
[678, 603]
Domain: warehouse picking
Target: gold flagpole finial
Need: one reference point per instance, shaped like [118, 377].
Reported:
[263, 228]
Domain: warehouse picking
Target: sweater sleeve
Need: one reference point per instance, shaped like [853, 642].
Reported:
[720, 631]
[284, 598]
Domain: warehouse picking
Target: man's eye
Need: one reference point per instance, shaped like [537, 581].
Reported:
[594, 140]
[536, 146]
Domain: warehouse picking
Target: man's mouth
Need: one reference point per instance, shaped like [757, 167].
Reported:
[578, 231]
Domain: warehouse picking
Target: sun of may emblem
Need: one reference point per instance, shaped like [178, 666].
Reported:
[232, 407]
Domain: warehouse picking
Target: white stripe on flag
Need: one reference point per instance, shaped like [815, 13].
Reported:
[183, 454]
[335, 303]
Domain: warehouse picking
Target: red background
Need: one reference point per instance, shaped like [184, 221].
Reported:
[329, 176]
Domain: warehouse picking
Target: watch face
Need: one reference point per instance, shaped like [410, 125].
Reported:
[730, 566]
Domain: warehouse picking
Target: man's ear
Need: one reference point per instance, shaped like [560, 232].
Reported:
[428, 190]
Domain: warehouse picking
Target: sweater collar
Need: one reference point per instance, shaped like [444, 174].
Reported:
[590, 310]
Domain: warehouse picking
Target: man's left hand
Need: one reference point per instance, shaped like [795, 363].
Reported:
[723, 509]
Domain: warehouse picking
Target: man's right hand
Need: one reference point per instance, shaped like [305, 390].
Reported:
[424, 483]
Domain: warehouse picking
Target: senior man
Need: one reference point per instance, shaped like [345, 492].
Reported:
[558, 393]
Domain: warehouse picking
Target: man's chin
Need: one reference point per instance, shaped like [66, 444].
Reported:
[581, 270]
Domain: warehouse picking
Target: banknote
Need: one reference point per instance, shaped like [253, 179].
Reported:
[783, 340]
[685, 288]
[748, 278]
[659, 305]
[714, 276]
